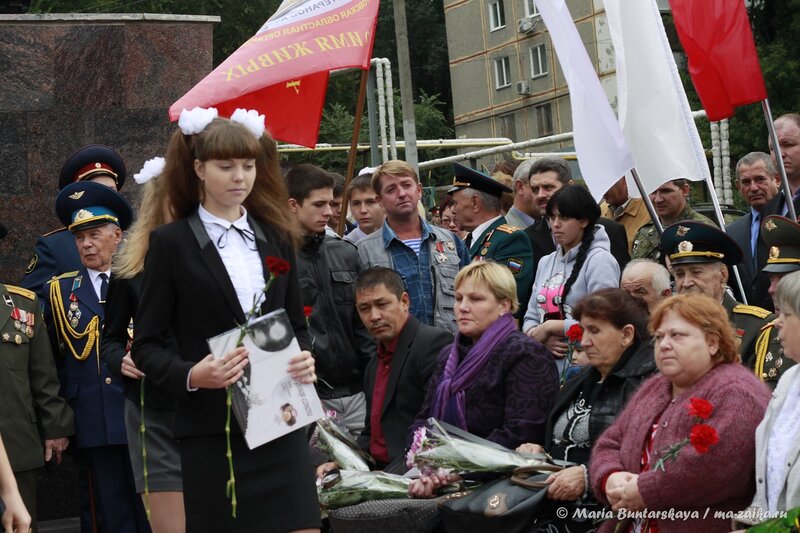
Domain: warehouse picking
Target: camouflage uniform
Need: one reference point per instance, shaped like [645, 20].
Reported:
[647, 243]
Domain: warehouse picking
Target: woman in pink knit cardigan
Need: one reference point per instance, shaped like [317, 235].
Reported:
[638, 465]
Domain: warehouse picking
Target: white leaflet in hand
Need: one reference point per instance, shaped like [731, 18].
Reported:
[267, 402]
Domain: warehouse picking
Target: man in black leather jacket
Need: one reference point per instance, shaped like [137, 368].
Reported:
[329, 267]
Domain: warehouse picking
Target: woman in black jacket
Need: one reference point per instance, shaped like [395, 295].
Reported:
[620, 355]
[203, 275]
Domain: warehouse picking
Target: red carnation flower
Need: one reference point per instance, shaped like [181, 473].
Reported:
[575, 333]
[703, 437]
[700, 408]
[307, 309]
[277, 266]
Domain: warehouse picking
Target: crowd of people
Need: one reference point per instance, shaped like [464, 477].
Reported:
[464, 312]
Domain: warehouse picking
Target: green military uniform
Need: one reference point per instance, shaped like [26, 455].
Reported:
[500, 242]
[692, 242]
[509, 246]
[30, 408]
[646, 243]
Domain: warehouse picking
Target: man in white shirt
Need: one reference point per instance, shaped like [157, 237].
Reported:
[96, 215]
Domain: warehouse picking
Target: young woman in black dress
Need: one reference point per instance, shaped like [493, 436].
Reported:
[202, 274]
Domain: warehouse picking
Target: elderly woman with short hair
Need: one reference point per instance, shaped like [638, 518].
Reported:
[778, 435]
[685, 440]
[493, 380]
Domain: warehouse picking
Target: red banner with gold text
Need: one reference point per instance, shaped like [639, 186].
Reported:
[279, 71]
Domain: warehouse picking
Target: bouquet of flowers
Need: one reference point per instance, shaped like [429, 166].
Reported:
[453, 451]
[336, 444]
[574, 338]
[701, 437]
[349, 487]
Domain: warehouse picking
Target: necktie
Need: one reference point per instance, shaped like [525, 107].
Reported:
[247, 235]
[103, 287]
[468, 241]
[754, 239]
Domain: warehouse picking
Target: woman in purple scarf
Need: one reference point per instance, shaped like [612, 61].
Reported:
[493, 381]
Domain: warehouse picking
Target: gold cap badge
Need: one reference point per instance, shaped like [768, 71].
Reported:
[682, 231]
[770, 225]
[774, 252]
[76, 195]
[685, 246]
[82, 214]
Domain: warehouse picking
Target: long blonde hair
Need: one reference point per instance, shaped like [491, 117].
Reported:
[268, 201]
[154, 211]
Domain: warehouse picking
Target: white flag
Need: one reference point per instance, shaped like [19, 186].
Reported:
[603, 154]
[652, 104]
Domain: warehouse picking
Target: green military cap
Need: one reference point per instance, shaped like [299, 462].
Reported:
[690, 241]
[782, 237]
[467, 178]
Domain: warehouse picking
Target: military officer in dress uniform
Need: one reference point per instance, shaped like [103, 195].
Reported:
[476, 205]
[96, 215]
[55, 252]
[698, 254]
[782, 237]
[31, 411]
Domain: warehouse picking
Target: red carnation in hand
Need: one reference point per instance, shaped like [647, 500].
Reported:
[703, 437]
[700, 408]
[575, 333]
[277, 266]
[307, 309]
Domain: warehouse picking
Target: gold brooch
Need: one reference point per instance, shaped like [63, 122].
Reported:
[769, 225]
[774, 252]
[82, 214]
[685, 246]
[682, 231]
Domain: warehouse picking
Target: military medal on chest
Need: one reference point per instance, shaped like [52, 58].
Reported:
[440, 255]
[23, 321]
[74, 313]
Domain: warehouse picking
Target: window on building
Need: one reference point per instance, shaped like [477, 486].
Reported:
[508, 126]
[497, 15]
[530, 9]
[502, 72]
[538, 61]
[544, 119]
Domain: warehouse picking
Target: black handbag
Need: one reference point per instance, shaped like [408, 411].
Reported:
[508, 504]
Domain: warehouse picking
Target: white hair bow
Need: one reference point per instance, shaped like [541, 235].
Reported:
[150, 169]
[196, 120]
[251, 120]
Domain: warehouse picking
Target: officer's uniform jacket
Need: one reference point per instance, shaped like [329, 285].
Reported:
[54, 254]
[509, 246]
[94, 394]
[30, 408]
[759, 345]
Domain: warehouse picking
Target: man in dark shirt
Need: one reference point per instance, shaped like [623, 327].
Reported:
[396, 380]
[328, 267]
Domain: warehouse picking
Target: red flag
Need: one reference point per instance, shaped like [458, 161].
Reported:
[722, 56]
[282, 71]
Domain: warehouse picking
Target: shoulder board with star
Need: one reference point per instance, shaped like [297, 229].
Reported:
[13, 289]
[507, 228]
[64, 276]
[54, 232]
[754, 310]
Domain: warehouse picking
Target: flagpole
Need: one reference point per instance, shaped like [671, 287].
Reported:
[773, 137]
[647, 202]
[351, 157]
